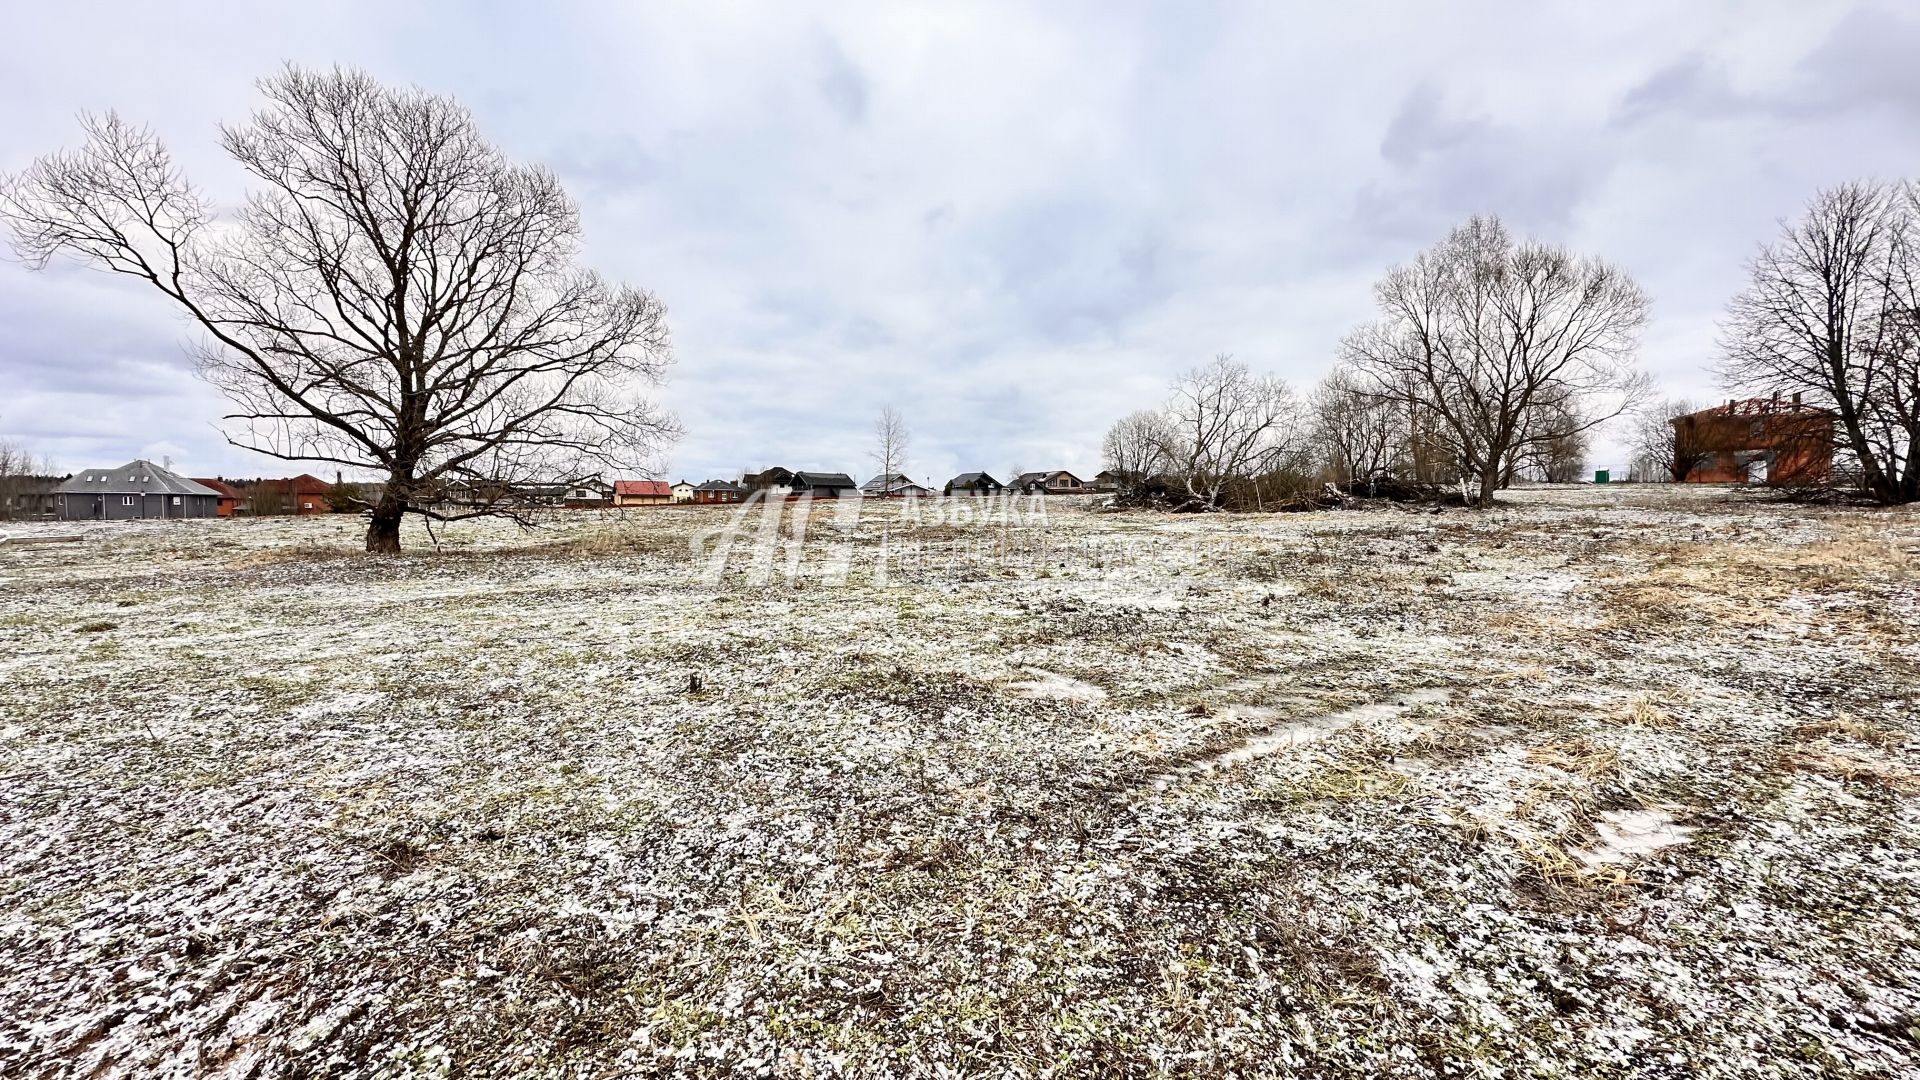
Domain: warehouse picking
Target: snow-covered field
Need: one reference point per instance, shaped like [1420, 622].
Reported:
[1606, 782]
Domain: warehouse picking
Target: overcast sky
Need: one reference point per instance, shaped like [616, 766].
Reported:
[1015, 222]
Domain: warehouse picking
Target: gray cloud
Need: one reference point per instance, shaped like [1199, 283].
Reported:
[841, 83]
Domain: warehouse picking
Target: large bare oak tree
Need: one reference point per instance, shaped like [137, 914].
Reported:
[1501, 347]
[394, 295]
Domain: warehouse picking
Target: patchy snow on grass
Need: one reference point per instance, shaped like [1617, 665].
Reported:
[1617, 781]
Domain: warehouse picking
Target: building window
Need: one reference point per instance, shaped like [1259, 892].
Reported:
[126, 500]
[176, 500]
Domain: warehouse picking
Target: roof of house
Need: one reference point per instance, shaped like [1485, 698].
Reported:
[304, 484]
[824, 479]
[1026, 478]
[1759, 406]
[641, 487]
[890, 482]
[220, 487]
[136, 477]
[969, 479]
[718, 485]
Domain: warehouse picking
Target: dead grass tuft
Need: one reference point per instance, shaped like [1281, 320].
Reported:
[1643, 713]
[1848, 726]
[1580, 757]
[1346, 783]
[1839, 765]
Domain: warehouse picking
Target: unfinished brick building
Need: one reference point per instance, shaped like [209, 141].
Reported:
[1782, 443]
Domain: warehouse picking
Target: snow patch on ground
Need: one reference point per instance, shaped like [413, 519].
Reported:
[1626, 835]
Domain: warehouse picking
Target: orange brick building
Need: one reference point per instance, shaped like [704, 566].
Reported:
[301, 495]
[1781, 443]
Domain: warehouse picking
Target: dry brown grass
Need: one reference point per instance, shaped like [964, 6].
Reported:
[1641, 712]
[1848, 726]
[1579, 757]
[1840, 765]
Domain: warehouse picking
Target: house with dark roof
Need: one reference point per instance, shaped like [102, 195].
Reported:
[824, 485]
[138, 489]
[773, 481]
[973, 483]
[1057, 482]
[718, 491]
[587, 493]
[892, 484]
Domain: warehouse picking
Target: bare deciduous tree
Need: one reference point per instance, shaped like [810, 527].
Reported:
[394, 296]
[890, 440]
[1480, 333]
[1832, 312]
[1556, 445]
[1227, 424]
[1135, 451]
[1358, 436]
[1659, 452]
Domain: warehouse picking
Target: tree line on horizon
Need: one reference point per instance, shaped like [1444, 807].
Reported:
[397, 297]
[1494, 358]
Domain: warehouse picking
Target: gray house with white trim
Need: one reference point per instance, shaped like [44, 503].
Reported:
[138, 489]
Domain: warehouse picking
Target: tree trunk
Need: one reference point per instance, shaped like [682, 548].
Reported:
[383, 528]
[1489, 483]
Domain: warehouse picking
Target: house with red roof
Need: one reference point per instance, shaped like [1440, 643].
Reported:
[302, 495]
[230, 497]
[642, 493]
